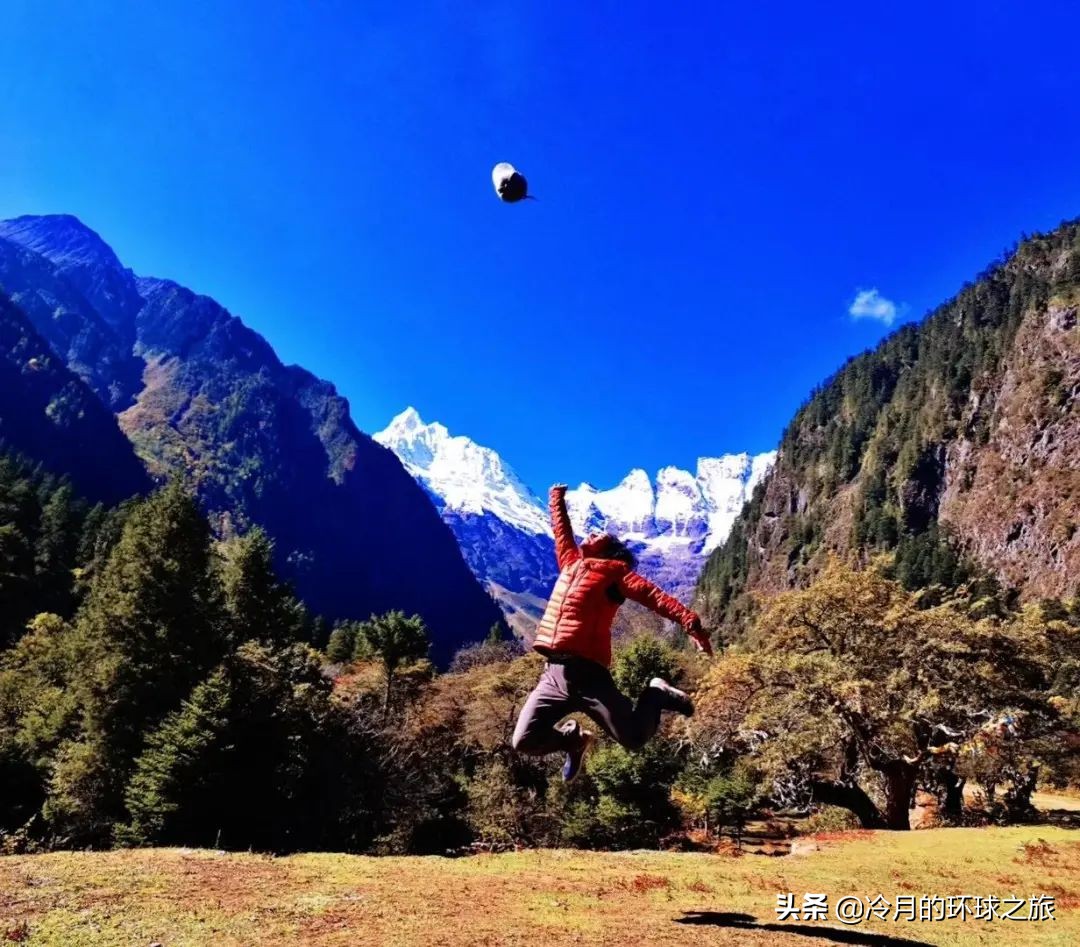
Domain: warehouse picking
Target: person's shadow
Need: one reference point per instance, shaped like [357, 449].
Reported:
[837, 935]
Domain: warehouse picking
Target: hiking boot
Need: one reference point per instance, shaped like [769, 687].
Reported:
[575, 758]
[674, 699]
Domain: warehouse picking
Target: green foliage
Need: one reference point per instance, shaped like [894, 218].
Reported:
[43, 530]
[719, 794]
[259, 606]
[856, 687]
[508, 807]
[394, 640]
[631, 805]
[176, 705]
[829, 819]
[257, 756]
[731, 797]
[642, 659]
[341, 648]
[151, 627]
[177, 763]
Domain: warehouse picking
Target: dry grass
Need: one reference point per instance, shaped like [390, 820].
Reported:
[178, 897]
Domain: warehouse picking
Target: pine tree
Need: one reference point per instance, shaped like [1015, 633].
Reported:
[55, 550]
[395, 640]
[178, 762]
[150, 628]
[259, 756]
[259, 606]
[341, 648]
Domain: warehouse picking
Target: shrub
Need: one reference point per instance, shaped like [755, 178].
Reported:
[829, 819]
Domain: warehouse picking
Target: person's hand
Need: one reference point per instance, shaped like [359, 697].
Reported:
[702, 643]
[699, 636]
[558, 488]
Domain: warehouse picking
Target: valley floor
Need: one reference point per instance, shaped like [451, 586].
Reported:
[178, 898]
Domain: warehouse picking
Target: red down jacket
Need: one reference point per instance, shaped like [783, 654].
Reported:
[589, 592]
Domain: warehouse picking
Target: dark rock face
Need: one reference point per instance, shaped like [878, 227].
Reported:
[48, 414]
[264, 443]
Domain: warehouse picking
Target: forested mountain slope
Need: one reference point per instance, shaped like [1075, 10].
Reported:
[954, 443]
[49, 415]
[203, 397]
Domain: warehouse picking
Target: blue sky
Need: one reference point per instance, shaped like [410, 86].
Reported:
[717, 190]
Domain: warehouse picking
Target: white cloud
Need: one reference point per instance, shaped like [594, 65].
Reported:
[870, 304]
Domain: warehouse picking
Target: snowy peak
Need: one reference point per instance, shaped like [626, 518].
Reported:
[726, 483]
[671, 522]
[696, 509]
[461, 475]
[630, 504]
[679, 508]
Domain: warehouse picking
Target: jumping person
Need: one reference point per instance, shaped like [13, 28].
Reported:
[574, 635]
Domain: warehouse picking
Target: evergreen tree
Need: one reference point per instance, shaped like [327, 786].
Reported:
[341, 648]
[167, 794]
[642, 659]
[41, 520]
[55, 549]
[259, 606]
[259, 756]
[395, 640]
[150, 628]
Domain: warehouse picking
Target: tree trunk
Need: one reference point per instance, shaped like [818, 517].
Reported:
[848, 797]
[1018, 798]
[386, 698]
[954, 793]
[899, 785]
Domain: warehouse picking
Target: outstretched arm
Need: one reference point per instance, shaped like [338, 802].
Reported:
[566, 550]
[656, 599]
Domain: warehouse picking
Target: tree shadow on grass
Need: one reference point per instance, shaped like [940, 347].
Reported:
[1062, 818]
[835, 935]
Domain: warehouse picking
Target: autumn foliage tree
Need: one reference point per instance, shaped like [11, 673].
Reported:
[852, 694]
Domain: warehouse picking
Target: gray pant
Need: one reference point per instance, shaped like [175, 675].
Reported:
[574, 685]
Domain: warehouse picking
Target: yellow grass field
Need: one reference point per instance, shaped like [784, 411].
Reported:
[179, 898]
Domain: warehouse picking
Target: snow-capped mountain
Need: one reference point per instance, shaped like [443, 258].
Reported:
[500, 525]
[672, 523]
[679, 507]
[461, 475]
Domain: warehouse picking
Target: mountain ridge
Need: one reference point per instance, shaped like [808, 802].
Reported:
[261, 442]
[504, 530]
[952, 446]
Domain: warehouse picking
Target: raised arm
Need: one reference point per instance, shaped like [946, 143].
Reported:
[566, 550]
[655, 599]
